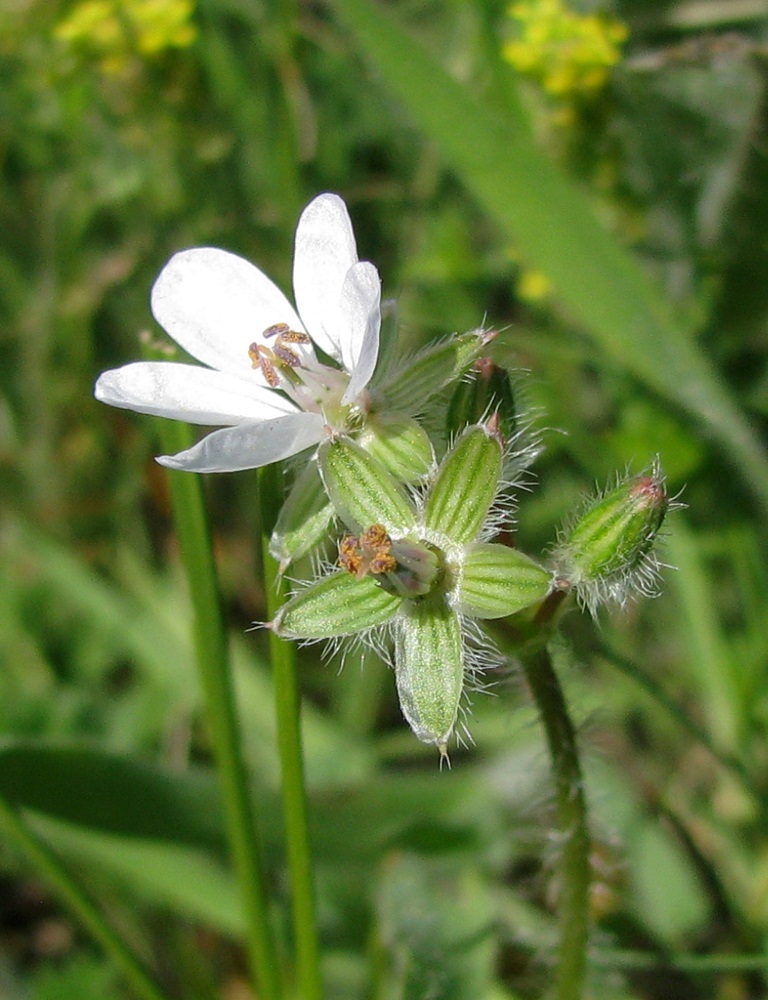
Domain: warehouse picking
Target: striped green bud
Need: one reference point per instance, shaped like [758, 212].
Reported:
[304, 517]
[419, 378]
[429, 668]
[608, 551]
[487, 389]
[466, 484]
[362, 490]
[336, 605]
[496, 581]
[400, 444]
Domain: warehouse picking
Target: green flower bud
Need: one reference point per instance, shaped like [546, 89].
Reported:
[608, 551]
[496, 581]
[429, 668]
[400, 444]
[336, 605]
[362, 491]
[304, 517]
[466, 485]
[421, 377]
[487, 389]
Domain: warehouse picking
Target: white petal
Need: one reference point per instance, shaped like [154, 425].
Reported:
[361, 315]
[215, 305]
[249, 446]
[325, 250]
[188, 392]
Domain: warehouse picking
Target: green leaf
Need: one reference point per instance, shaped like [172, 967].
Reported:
[177, 876]
[554, 226]
[113, 793]
[436, 927]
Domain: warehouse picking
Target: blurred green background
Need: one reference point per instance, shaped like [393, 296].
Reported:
[604, 204]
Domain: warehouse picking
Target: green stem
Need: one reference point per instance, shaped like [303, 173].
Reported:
[212, 651]
[288, 712]
[79, 904]
[572, 824]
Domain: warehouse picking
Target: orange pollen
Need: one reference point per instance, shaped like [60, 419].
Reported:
[369, 553]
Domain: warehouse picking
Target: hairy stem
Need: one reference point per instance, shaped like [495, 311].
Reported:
[572, 823]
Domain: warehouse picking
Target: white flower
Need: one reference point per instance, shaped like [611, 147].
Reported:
[263, 383]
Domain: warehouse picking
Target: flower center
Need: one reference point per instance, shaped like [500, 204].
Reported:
[282, 355]
[315, 387]
[403, 566]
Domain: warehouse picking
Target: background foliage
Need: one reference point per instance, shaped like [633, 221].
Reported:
[618, 238]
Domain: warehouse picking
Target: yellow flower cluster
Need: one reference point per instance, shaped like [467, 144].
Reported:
[568, 53]
[115, 30]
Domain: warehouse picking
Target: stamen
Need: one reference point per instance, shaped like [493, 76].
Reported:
[275, 330]
[260, 358]
[402, 567]
[286, 355]
[370, 552]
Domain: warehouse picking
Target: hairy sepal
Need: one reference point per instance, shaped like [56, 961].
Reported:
[497, 581]
[338, 605]
[429, 668]
[362, 490]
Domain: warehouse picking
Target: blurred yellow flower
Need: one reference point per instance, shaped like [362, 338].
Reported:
[115, 30]
[568, 53]
[533, 285]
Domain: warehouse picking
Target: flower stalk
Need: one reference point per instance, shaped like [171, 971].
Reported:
[572, 825]
[289, 744]
[213, 662]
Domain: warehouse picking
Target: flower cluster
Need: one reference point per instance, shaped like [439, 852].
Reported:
[567, 52]
[112, 31]
[423, 531]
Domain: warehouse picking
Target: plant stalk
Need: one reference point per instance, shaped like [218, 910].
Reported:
[212, 653]
[571, 820]
[288, 713]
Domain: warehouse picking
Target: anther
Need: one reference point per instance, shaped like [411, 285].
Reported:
[260, 359]
[275, 330]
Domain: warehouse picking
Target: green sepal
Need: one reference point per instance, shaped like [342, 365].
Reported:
[429, 668]
[496, 581]
[422, 376]
[362, 490]
[466, 485]
[400, 444]
[337, 605]
[304, 517]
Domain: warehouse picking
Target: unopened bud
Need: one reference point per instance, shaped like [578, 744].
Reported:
[487, 388]
[609, 550]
